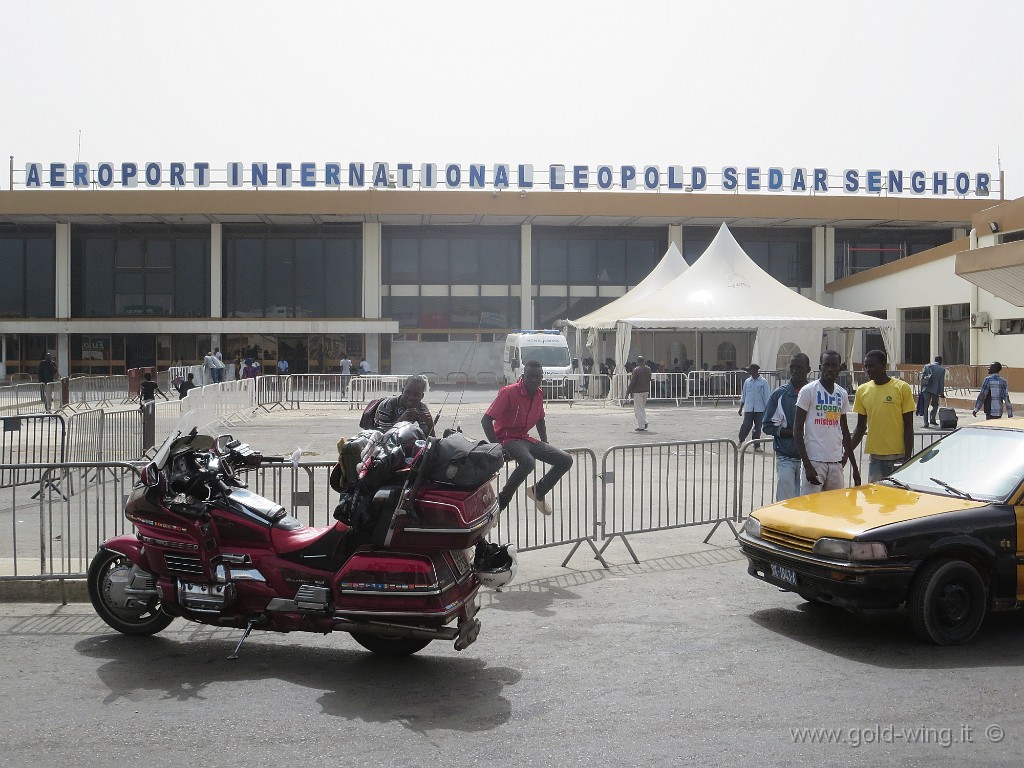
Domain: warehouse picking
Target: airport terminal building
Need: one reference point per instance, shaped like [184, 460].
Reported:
[426, 269]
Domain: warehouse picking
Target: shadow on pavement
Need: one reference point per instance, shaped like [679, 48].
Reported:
[423, 692]
[885, 638]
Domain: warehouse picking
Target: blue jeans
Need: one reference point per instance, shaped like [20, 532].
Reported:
[879, 468]
[788, 472]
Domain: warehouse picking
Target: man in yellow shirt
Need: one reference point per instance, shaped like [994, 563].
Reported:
[888, 405]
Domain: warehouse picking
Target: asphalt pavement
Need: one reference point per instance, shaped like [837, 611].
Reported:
[682, 659]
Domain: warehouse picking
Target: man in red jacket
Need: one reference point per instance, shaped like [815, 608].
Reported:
[516, 410]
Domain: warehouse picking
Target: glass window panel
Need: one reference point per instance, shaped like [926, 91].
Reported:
[344, 278]
[309, 284]
[465, 311]
[640, 260]
[129, 304]
[404, 309]
[550, 262]
[548, 309]
[97, 287]
[582, 262]
[405, 261]
[40, 261]
[499, 261]
[191, 279]
[129, 254]
[129, 282]
[12, 286]
[433, 261]
[244, 284]
[159, 254]
[496, 312]
[465, 263]
[435, 312]
[916, 334]
[611, 262]
[280, 271]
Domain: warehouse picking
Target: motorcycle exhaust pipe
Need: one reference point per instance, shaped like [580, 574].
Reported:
[396, 630]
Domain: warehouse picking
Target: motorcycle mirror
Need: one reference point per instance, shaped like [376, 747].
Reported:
[224, 443]
[150, 475]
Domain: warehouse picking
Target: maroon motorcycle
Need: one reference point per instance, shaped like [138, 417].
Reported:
[401, 573]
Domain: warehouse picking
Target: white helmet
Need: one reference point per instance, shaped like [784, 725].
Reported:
[495, 565]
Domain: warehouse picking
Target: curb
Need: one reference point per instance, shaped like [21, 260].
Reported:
[59, 591]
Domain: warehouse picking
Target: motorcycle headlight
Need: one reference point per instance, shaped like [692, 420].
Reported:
[752, 527]
[843, 549]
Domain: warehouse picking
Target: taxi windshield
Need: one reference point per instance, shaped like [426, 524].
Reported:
[547, 356]
[984, 464]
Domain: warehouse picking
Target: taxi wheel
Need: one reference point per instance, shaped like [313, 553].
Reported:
[947, 602]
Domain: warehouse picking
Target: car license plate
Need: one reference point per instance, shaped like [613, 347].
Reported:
[787, 575]
[462, 559]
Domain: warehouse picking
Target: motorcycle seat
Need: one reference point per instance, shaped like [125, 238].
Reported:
[305, 538]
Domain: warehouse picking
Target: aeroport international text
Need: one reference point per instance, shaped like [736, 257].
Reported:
[500, 177]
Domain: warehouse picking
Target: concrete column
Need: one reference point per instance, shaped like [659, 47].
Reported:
[675, 236]
[216, 273]
[959, 233]
[935, 342]
[526, 276]
[62, 289]
[830, 254]
[818, 263]
[62, 292]
[372, 287]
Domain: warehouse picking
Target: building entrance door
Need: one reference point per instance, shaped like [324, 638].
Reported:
[139, 350]
[294, 349]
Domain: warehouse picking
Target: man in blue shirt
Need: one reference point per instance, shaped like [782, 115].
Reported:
[779, 418]
[994, 392]
[753, 400]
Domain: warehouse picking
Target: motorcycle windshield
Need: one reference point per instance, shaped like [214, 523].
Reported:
[195, 430]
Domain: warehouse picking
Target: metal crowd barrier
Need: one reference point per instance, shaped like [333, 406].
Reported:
[62, 517]
[16, 399]
[659, 486]
[97, 391]
[318, 388]
[27, 442]
[271, 391]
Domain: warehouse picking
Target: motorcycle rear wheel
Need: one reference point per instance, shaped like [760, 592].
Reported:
[147, 621]
[390, 646]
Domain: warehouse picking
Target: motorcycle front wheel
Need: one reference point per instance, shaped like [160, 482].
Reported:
[390, 646]
[107, 573]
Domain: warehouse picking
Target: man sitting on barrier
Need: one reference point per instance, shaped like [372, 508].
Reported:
[408, 406]
[516, 410]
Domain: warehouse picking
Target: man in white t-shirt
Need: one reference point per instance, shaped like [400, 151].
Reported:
[821, 432]
[346, 371]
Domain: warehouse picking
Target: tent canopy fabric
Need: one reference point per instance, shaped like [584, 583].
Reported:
[723, 291]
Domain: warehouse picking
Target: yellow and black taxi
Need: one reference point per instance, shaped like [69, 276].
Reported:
[944, 534]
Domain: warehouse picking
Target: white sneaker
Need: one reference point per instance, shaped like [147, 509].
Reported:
[543, 507]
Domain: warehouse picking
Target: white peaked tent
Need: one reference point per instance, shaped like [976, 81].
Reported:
[726, 291]
[671, 266]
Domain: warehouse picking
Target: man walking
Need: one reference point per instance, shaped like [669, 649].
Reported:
[640, 387]
[753, 401]
[885, 411]
[994, 392]
[933, 387]
[821, 433]
[46, 372]
[516, 410]
[779, 422]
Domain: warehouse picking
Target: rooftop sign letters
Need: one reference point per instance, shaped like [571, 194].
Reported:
[499, 177]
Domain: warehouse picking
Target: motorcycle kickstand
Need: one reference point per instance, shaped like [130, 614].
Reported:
[248, 629]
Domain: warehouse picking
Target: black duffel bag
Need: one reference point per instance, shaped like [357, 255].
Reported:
[458, 461]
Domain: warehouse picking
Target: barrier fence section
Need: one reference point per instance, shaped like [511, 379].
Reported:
[28, 442]
[271, 391]
[658, 486]
[318, 388]
[232, 401]
[18, 399]
[575, 503]
[97, 391]
[56, 524]
[365, 388]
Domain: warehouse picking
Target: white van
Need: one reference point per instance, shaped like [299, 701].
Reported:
[549, 348]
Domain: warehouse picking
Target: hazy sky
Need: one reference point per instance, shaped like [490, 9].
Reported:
[882, 84]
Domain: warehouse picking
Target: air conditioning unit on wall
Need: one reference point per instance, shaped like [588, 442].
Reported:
[980, 320]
